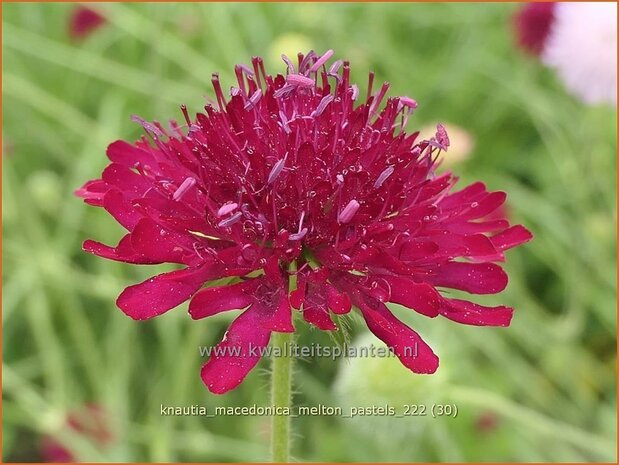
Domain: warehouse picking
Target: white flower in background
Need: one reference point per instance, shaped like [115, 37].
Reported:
[582, 47]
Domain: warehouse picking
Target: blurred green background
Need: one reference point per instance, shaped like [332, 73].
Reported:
[542, 390]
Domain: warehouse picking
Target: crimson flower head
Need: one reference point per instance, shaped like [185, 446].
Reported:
[84, 21]
[532, 25]
[298, 175]
[90, 422]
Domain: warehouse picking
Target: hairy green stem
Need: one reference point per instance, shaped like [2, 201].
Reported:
[281, 388]
[281, 396]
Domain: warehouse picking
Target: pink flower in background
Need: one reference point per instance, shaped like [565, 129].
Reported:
[90, 422]
[487, 422]
[577, 40]
[532, 24]
[301, 168]
[84, 21]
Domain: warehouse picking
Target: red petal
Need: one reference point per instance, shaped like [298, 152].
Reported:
[93, 191]
[297, 296]
[338, 302]
[123, 252]
[125, 179]
[412, 351]
[151, 240]
[466, 195]
[470, 313]
[476, 278]
[485, 206]
[163, 292]
[511, 237]
[237, 354]
[281, 317]
[117, 205]
[319, 317]
[213, 300]
[471, 227]
[415, 250]
[125, 154]
[420, 297]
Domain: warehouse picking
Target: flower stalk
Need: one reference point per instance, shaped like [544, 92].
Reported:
[281, 396]
[281, 386]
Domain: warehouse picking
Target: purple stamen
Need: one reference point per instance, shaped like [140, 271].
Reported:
[335, 67]
[288, 61]
[147, 126]
[284, 90]
[246, 69]
[276, 170]
[284, 120]
[299, 80]
[251, 103]
[230, 221]
[322, 105]
[321, 61]
[305, 61]
[408, 102]
[348, 212]
[383, 176]
[183, 188]
[227, 208]
[298, 236]
[441, 136]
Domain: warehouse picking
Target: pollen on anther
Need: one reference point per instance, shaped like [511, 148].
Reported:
[299, 80]
[183, 188]
[383, 176]
[348, 212]
[276, 170]
[227, 208]
[230, 221]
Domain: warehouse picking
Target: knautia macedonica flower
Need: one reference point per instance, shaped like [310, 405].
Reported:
[301, 169]
[579, 41]
[84, 21]
[91, 422]
[532, 24]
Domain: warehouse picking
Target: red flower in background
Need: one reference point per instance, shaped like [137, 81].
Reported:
[89, 422]
[532, 24]
[299, 168]
[84, 21]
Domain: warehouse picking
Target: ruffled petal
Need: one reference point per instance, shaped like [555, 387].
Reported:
[126, 180]
[338, 302]
[117, 205]
[415, 250]
[405, 343]
[469, 194]
[470, 313]
[485, 206]
[476, 278]
[123, 252]
[280, 317]
[128, 155]
[319, 317]
[237, 354]
[93, 191]
[151, 240]
[511, 237]
[420, 297]
[472, 227]
[213, 300]
[163, 292]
